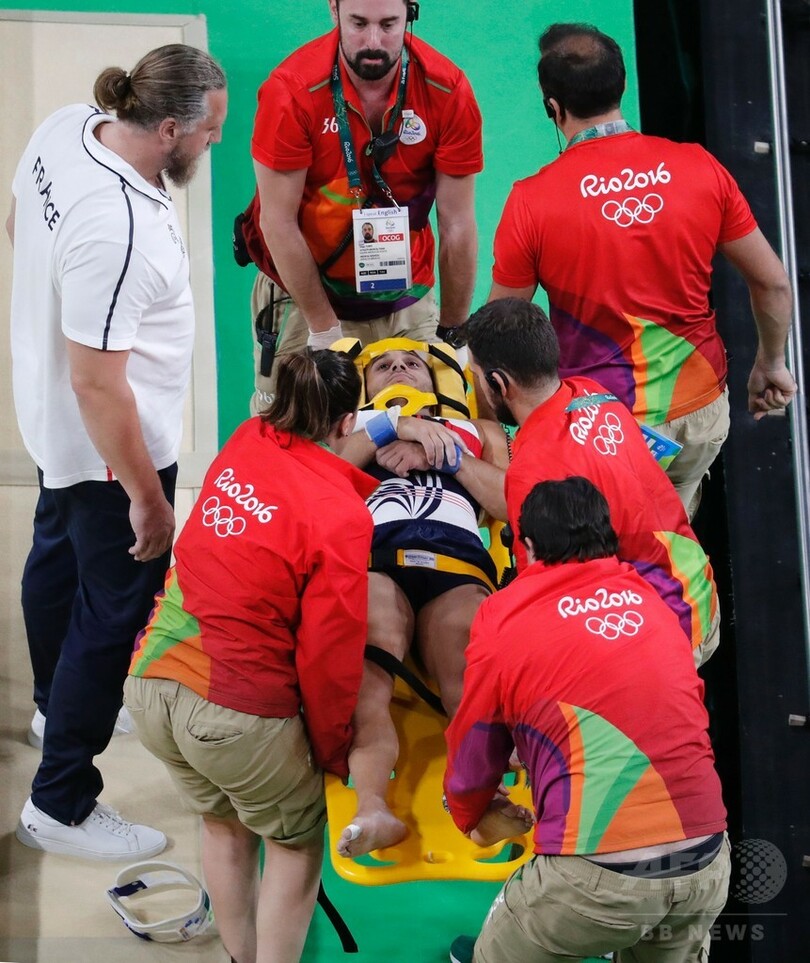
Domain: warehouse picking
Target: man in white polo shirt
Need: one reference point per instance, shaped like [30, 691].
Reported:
[102, 327]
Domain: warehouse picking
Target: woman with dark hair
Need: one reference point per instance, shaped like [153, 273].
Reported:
[245, 679]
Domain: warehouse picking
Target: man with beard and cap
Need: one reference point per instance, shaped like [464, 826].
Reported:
[102, 328]
[363, 117]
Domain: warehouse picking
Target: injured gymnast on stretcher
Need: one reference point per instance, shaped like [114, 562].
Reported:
[429, 568]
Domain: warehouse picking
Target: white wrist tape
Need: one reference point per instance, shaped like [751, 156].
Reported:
[382, 428]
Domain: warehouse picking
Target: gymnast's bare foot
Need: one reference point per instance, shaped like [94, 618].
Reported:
[502, 820]
[375, 829]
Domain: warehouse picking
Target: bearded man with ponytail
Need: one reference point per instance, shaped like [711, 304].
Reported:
[102, 327]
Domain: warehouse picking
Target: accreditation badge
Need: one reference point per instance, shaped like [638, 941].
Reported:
[382, 249]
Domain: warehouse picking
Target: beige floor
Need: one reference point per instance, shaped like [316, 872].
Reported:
[53, 908]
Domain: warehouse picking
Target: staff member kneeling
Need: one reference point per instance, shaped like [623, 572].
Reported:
[252, 659]
[582, 668]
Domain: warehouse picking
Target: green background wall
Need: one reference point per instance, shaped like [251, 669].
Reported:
[496, 45]
[494, 42]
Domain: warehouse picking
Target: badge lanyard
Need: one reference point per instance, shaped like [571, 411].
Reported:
[587, 400]
[347, 144]
[608, 129]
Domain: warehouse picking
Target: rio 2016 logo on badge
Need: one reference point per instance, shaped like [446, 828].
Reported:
[413, 129]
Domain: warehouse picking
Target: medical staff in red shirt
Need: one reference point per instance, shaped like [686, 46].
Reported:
[246, 677]
[579, 666]
[621, 231]
[362, 117]
[574, 426]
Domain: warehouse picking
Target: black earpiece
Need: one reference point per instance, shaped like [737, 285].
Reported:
[549, 109]
[492, 381]
[412, 11]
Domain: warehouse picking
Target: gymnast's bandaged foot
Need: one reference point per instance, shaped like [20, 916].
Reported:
[376, 830]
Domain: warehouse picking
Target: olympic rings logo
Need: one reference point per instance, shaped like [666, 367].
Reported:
[615, 624]
[221, 518]
[609, 436]
[632, 210]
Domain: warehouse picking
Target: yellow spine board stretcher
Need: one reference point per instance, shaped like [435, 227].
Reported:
[433, 848]
[450, 382]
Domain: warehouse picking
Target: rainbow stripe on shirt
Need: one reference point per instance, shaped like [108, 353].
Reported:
[655, 372]
[170, 647]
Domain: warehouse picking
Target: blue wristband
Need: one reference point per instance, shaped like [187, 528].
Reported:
[449, 469]
[380, 430]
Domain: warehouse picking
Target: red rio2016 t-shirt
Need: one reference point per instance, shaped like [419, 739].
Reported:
[620, 231]
[578, 667]
[265, 608]
[600, 440]
[295, 128]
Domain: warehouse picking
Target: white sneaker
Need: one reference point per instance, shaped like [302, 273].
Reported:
[123, 726]
[103, 835]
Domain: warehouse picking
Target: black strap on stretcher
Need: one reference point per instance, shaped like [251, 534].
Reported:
[458, 406]
[392, 665]
[347, 941]
[453, 364]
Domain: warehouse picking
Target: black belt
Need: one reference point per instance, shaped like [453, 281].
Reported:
[683, 862]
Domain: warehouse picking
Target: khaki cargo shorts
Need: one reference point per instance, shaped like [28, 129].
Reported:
[230, 764]
[560, 908]
[702, 434]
